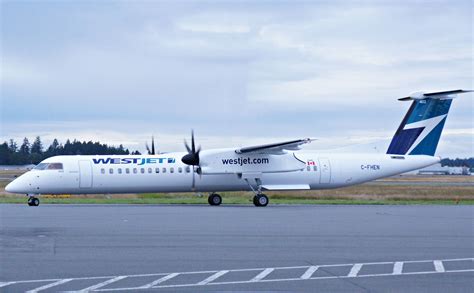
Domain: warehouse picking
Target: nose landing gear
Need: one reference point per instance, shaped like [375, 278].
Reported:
[33, 201]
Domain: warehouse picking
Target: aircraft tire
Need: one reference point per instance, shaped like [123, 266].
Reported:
[214, 199]
[260, 200]
[33, 202]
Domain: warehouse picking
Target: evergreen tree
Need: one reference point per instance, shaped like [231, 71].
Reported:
[12, 145]
[5, 154]
[53, 149]
[10, 154]
[37, 146]
[25, 147]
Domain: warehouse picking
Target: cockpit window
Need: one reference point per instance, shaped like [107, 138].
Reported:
[49, 166]
[55, 166]
[41, 166]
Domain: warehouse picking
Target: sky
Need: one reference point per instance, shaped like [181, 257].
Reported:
[237, 72]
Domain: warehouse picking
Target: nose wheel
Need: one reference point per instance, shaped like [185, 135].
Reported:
[214, 199]
[33, 201]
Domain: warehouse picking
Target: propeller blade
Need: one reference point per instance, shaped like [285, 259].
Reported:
[147, 148]
[193, 185]
[193, 148]
[187, 146]
[152, 145]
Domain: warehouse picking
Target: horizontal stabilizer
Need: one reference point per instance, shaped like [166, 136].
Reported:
[434, 95]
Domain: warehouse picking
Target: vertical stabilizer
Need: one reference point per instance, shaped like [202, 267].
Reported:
[420, 130]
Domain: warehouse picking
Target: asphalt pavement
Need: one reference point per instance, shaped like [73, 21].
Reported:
[192, 248]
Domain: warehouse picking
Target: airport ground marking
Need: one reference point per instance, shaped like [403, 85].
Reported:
[355, 270]
[102, 284]
[286, 280]
[160, 280]
[213, 277]
[260, 277]
[50, 285]
[309, 272]
[4, 284]
[397, 268]
[439, 267]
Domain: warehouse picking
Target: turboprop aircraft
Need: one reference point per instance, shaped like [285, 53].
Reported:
[275, 166]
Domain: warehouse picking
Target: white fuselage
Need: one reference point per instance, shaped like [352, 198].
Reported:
[166, 173]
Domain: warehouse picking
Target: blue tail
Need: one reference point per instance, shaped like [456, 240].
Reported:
[421, 128]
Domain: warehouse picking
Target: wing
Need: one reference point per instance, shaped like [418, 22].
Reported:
[275, 148]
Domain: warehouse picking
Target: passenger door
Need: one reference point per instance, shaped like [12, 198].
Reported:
[85, 174]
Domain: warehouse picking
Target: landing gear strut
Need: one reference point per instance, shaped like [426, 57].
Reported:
[33, 201]
[260, 199]
[214, 199]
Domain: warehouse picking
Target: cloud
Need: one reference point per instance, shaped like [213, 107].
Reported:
[269, 70]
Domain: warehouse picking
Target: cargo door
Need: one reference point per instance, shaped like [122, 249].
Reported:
[325, 168]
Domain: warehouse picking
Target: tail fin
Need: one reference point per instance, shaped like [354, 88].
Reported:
[421, 128]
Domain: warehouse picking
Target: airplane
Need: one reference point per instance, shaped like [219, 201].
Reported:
[275, 166]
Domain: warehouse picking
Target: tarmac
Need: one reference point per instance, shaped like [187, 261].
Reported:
[194, 248]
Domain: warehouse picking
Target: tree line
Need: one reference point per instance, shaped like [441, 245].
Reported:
[33, 153]
[469, 162]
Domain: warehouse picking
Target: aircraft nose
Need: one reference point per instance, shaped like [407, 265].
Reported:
[14, 187]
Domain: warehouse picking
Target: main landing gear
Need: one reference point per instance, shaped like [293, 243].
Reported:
[33, 201]
[214, 199]
[260, 199]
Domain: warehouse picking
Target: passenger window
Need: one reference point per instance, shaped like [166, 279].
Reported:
[308, 168]
[188, 169]
[142, 170]
[157, 170]
[180, 170]
[111, 171]
[55, 166]
[135, 171]
[164, 170]
[315, 168]
[171, 170]
[150, 170]
[119, 170]
[102, 171]
[127, 171]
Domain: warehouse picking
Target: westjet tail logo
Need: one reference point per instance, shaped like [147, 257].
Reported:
[138, 161]
[409, 139]
[426, 127]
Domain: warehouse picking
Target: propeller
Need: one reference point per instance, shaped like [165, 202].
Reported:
[152, 151]
[192, 158]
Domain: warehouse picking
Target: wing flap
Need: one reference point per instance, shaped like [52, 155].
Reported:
[286, 187]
